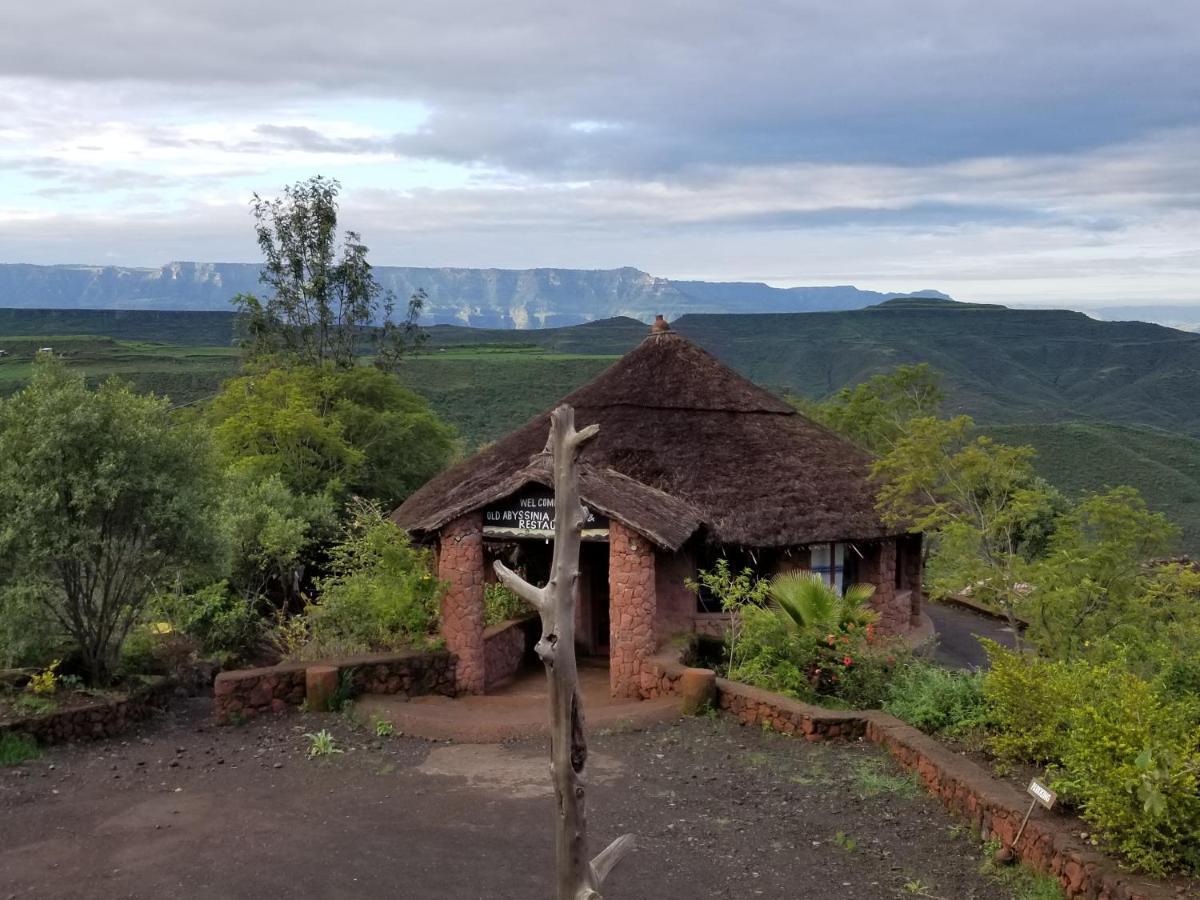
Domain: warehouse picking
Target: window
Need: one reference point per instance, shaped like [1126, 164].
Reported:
[829, 561]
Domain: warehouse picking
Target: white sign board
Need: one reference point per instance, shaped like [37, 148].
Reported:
[1041, 793]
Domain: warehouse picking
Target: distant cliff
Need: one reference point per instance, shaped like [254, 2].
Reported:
[484, 298]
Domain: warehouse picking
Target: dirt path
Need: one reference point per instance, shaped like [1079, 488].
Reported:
[186, 810]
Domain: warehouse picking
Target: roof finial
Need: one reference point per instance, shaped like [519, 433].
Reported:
[660, 325]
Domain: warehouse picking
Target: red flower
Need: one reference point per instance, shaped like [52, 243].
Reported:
[847, 661]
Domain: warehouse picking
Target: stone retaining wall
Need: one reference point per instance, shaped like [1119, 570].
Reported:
[105, 718]
[506, 646]
[246, 693]
[994, 808]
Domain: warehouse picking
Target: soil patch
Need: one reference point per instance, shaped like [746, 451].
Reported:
[183, 809]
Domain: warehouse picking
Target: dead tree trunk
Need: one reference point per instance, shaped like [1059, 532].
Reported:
[576, 877]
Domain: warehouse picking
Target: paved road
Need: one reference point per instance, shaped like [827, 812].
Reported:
[958, 631]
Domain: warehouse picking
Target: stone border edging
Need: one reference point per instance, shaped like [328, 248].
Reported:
[103, 719]
[993, 807]
[246, 693]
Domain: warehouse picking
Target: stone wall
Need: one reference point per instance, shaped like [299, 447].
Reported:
[631, 584]
[507, 646]
[1050, 843]
[247, 693]
[879, 568]
[105, 718]
[460, 564]
[675, 605]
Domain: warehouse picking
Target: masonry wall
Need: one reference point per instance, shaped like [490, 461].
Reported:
[460, 564]
[675, 605]
[246, 693]
[105, 718]
[632, 599]
[879, 568]
[507, 646]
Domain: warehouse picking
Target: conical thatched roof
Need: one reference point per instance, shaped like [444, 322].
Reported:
[685, 444]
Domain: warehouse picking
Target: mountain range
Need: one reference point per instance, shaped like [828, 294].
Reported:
[483, 298]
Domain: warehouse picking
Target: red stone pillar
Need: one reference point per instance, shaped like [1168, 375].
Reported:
[892, 620]
[632, 605]
[460, 564]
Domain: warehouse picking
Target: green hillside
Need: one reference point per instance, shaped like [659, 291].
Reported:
[1104, 402]
[1080, 457]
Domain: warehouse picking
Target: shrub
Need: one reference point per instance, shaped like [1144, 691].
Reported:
[1131, 763]
[1124, 752]
[500, 604]
[221, 621]
[381, 594]
[937, 701]
[1030, 700]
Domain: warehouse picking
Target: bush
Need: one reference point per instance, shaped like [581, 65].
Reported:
[937, 701]
[221, 621]
[1124, 752]
[382, 594]
[500, 605]
[1030, 700]
[1131, 763]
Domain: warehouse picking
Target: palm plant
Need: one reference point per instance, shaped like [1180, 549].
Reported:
[803, 600]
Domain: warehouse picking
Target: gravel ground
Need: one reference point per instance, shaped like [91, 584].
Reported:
[183, 809]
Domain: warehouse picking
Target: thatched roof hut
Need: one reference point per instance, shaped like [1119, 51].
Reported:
[692, 463]
[686, 445]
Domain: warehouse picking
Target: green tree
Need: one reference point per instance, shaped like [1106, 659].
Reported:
[987, 511]
[322, 308]
[1091, 587]
[103, 497]
[324, 430]
[876, 413]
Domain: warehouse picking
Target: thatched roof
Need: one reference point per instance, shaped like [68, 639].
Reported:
[685, 444]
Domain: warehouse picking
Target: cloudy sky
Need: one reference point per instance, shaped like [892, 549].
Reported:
[1011, 151]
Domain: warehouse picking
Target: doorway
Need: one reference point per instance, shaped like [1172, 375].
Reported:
[593, 622]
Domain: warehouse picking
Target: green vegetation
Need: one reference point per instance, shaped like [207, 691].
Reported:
[795, 635]
[500, 605]
[1079, 458]
[16, 749]
[380, 593]
[937, 701]
[322, 309]
[322, 744]
[105, 495]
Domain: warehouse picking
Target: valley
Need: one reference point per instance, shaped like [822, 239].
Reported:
[1103, 402]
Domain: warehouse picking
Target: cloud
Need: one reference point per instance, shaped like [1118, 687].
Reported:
[804, 141]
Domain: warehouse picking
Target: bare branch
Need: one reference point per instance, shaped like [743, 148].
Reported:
[607, 859]
[535, 597]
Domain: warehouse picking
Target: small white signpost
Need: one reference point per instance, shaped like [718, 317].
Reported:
[1041, 795]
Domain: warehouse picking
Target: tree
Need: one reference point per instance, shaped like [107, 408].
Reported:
[876, 414]
[575, 877]
[1093, 584]
[322, 308]
[104, 496]
[324, 430]
[989, 512]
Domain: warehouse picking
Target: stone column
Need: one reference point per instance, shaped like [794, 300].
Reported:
[460, 563]
[892, 619]
[632, 606]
